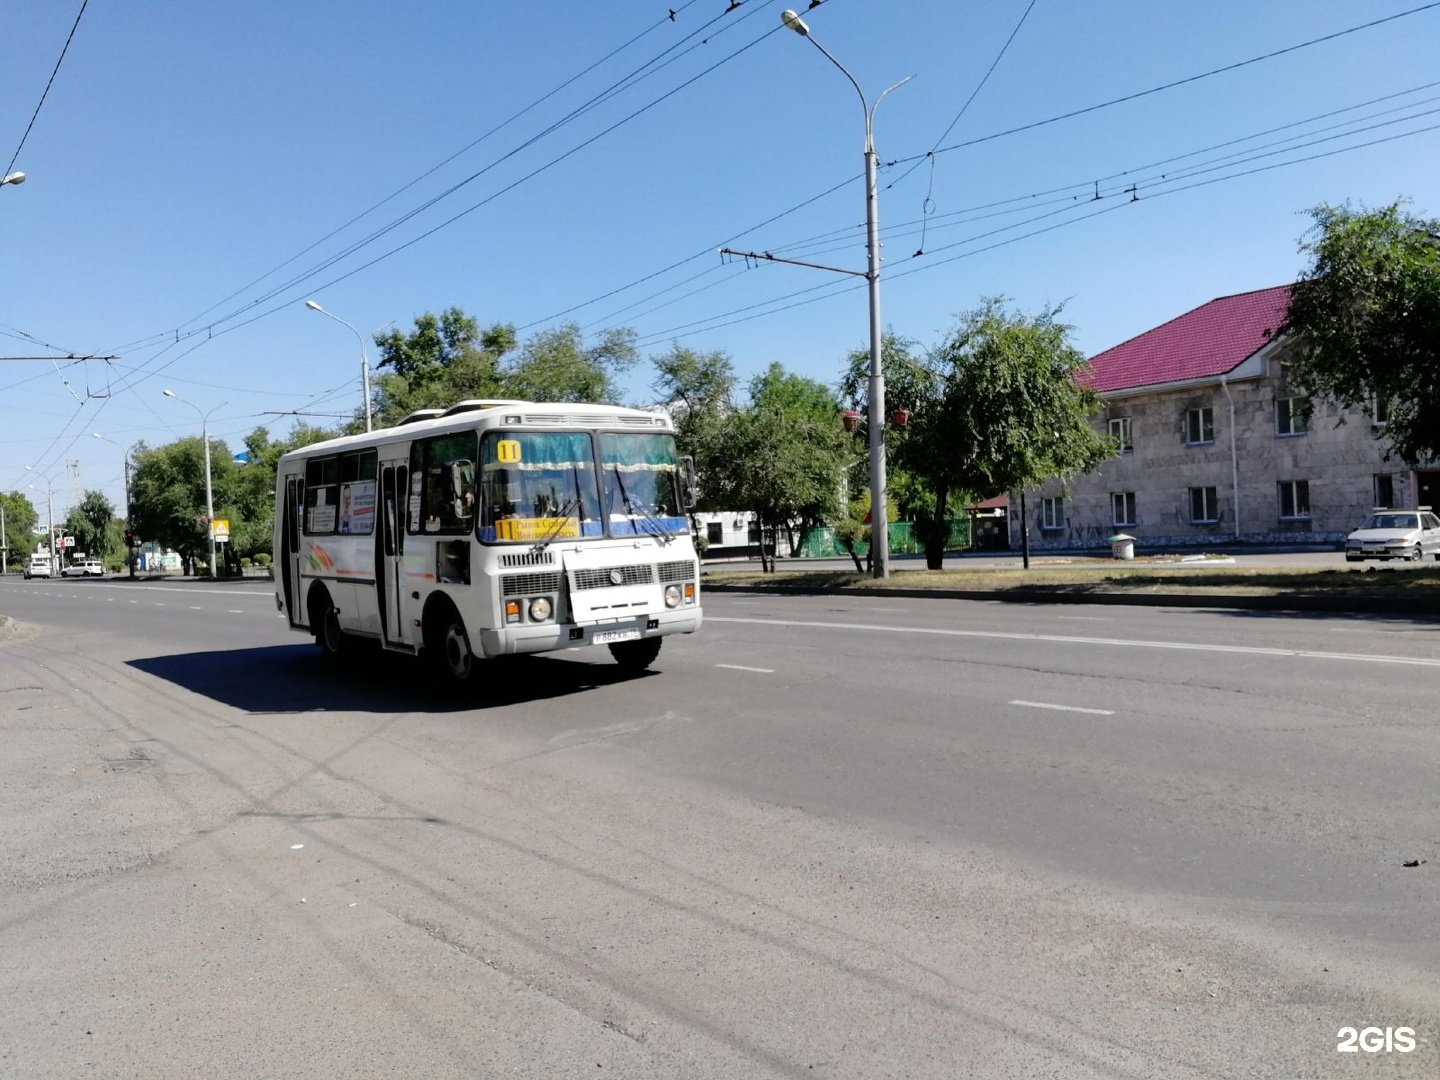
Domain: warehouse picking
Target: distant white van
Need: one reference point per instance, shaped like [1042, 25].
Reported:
[38, 566]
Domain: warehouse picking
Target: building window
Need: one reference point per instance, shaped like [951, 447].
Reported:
[1122, 507]
[1292, 416]
[1121, 431]
[1200, 426]
[1294, 500]
[1384, 490]
[1052, 513]
[1379, 413]
[1204, 506]
[714, 533]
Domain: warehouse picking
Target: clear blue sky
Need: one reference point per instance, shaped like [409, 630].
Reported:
[192, 171]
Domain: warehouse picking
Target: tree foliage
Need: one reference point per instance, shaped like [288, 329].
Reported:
[450, 357]
[1365, 317]
[786, 453]
[20, 521]
[698, 389]
[1004, 411]
[92, 523]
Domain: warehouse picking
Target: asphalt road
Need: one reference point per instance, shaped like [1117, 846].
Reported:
[829, 837]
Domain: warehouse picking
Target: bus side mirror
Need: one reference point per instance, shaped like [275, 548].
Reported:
[689, 487]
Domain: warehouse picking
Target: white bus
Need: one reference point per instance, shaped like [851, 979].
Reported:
[489, 529]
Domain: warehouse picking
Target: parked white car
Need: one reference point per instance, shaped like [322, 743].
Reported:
[38, 566]
[1395, 534]
[84, 568]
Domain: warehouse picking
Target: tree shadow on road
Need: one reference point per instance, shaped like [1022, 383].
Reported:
[296, 679]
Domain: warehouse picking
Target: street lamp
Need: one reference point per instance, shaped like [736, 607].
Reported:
[49, 514]
[364, 360]
[879, 519]
[12, 178]
[129, 511]
[209, 497]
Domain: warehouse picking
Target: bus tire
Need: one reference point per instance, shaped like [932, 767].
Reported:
[448, 645]
[636, 655]
[325, 625]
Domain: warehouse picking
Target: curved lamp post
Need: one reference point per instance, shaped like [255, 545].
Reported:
[364, 360]
[209, 497]
[129, 525]
[49, 512]
[12, 178]
[879, 531]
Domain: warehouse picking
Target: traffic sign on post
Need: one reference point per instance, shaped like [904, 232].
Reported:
[220, 530]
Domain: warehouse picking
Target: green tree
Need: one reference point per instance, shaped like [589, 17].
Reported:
[20, 521]
[447, 358]
[1364, 317]
[1007, 412]
[787, 454]
[555, 365]
[698, 389]
[92, 523]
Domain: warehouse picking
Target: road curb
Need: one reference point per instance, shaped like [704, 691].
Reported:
[1356, 605]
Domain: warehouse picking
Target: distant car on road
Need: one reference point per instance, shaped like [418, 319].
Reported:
[38, 566]
[84, 568]
[1395, 534]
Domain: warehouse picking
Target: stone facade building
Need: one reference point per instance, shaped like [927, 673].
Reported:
[1215, 449]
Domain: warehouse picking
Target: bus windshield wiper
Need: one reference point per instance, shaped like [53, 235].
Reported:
[657, 527]
[566, 513]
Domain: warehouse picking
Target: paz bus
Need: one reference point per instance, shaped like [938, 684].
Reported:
[489, 529]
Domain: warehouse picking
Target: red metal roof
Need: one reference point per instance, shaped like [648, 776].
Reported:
[1209, 341]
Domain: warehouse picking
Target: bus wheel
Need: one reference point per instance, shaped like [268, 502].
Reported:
[325, 623]
[449, 646]
[636, 655]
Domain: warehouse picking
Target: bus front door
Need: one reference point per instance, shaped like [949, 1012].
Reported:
[290, 556]
[390, 556]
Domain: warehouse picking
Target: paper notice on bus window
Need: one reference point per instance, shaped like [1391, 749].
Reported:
[414, 513]
[322, 519]
[357, 507]
[536, 528]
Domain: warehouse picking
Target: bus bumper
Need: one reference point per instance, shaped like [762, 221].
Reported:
[548, 637]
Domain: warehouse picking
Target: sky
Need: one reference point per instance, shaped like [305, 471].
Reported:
[196, 172]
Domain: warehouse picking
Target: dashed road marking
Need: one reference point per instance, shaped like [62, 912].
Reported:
[1064, 708]
[742, 667]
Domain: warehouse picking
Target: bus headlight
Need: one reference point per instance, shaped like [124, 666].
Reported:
[540, 609]
[672, 595]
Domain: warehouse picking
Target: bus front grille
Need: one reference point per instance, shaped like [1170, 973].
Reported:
[528, 558]
[683, 570]
[529, 584]
[589, 578]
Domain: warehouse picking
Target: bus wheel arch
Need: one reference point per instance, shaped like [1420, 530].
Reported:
[325, 623]
[447, 642]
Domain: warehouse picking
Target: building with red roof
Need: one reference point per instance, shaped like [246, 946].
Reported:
[1213, 448]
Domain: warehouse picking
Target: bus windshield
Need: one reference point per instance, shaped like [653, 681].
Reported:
[537, 486]
[641, 489]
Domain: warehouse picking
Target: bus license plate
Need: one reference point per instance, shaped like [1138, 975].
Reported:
[605, 637]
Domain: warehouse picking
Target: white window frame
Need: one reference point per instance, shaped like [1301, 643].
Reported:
[1297, 419]
[1203, 419]
[1209, 505]
[1052, 513]
[1297, 489]
[1389, 481]
[1122, 430]
[1122, 508]
[1379, 411]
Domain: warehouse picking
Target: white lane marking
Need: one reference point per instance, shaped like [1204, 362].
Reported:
[996, 635]
[194, 607]
[1083, 618]
[742, 667]
[235, 611]
[1064, 708]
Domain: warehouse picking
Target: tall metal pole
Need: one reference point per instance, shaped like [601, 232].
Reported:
[209, 497]
[4, 543]
[879, 505]
[364, 360]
